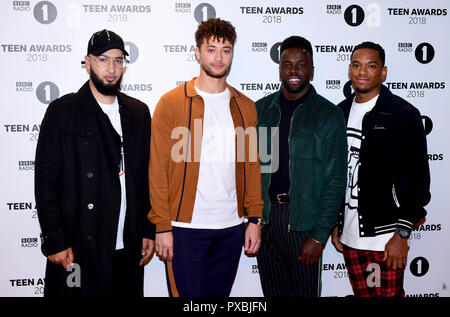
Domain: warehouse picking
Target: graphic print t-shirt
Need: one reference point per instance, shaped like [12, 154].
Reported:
[352, 228]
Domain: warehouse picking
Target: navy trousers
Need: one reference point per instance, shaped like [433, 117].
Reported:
[205, 261]
[281, 273]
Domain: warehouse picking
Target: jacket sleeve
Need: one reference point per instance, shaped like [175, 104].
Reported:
[335, 175]
[412, 178]
[158, 172]
[253, 202]
[149, 227]
[47, 183]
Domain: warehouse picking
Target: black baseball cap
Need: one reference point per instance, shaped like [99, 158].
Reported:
[104, 40]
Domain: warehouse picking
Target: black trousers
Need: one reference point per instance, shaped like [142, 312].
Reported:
[127, 277]
[281, 273]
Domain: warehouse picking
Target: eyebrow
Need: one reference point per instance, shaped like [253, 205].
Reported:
[121, 56]
[215, 46]
[369, 62]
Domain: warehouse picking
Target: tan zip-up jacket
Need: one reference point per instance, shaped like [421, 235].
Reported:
[175, 150]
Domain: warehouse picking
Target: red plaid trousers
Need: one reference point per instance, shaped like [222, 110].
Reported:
[370, 276]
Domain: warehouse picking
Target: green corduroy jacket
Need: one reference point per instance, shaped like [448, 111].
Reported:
[317, 164]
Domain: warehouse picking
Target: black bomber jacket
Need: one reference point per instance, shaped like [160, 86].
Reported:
[394, 176]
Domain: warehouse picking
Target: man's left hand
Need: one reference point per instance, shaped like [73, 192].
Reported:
[311, 251]
[252, 239]
[396, 252]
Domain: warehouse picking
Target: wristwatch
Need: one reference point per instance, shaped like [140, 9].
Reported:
[403, 233]
[255, 220]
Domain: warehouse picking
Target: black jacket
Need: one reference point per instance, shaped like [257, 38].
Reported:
[77, 188]
[394, 176]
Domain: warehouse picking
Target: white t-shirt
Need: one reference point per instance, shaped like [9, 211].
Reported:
[350, 235]
[112, 111]
[215, 205]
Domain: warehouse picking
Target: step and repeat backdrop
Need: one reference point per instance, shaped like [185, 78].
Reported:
[43, 42]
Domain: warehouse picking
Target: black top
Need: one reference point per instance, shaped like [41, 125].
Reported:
[280, 181]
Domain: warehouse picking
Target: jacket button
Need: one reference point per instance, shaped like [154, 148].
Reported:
[88, 144]
[90, 175]
[90, 206]
[88, 238]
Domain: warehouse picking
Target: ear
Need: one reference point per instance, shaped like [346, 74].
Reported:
[312, 74]
[87, 62]
[349, 74]
[383, 74]
[197, 53]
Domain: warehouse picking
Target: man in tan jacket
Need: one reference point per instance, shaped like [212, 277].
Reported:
[204, 173]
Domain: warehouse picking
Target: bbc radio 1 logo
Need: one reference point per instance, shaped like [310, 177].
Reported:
[45, 12]
[419, 266]
[203, 12]
[424, 52]
[355, 15]
[46, 92]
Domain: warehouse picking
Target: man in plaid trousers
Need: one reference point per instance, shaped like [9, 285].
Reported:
[388, 178]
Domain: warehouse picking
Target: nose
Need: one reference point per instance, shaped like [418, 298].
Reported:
[363, 70]
[219, 56]
[110, 66]
[293, 70]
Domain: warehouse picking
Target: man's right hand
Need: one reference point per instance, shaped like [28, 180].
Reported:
[65, 258]
[336, 240]
[164, 246]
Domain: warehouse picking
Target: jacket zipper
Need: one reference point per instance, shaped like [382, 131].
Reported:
[289, 165]
[270, 177]
[185, 163]
[245, 178]
[394, 195]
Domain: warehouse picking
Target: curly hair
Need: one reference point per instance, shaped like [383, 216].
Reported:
[217, 29]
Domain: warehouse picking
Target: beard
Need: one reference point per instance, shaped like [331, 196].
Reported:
[295, 90]
[105, 89]
[210, 73]
[361, 90]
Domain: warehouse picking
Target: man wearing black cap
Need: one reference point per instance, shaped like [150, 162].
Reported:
[91, 184]
[304, 191]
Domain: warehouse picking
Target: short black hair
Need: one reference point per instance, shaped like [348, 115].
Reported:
[374, 46]
[297, 41]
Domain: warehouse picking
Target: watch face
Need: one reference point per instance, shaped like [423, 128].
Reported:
[403, 233]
